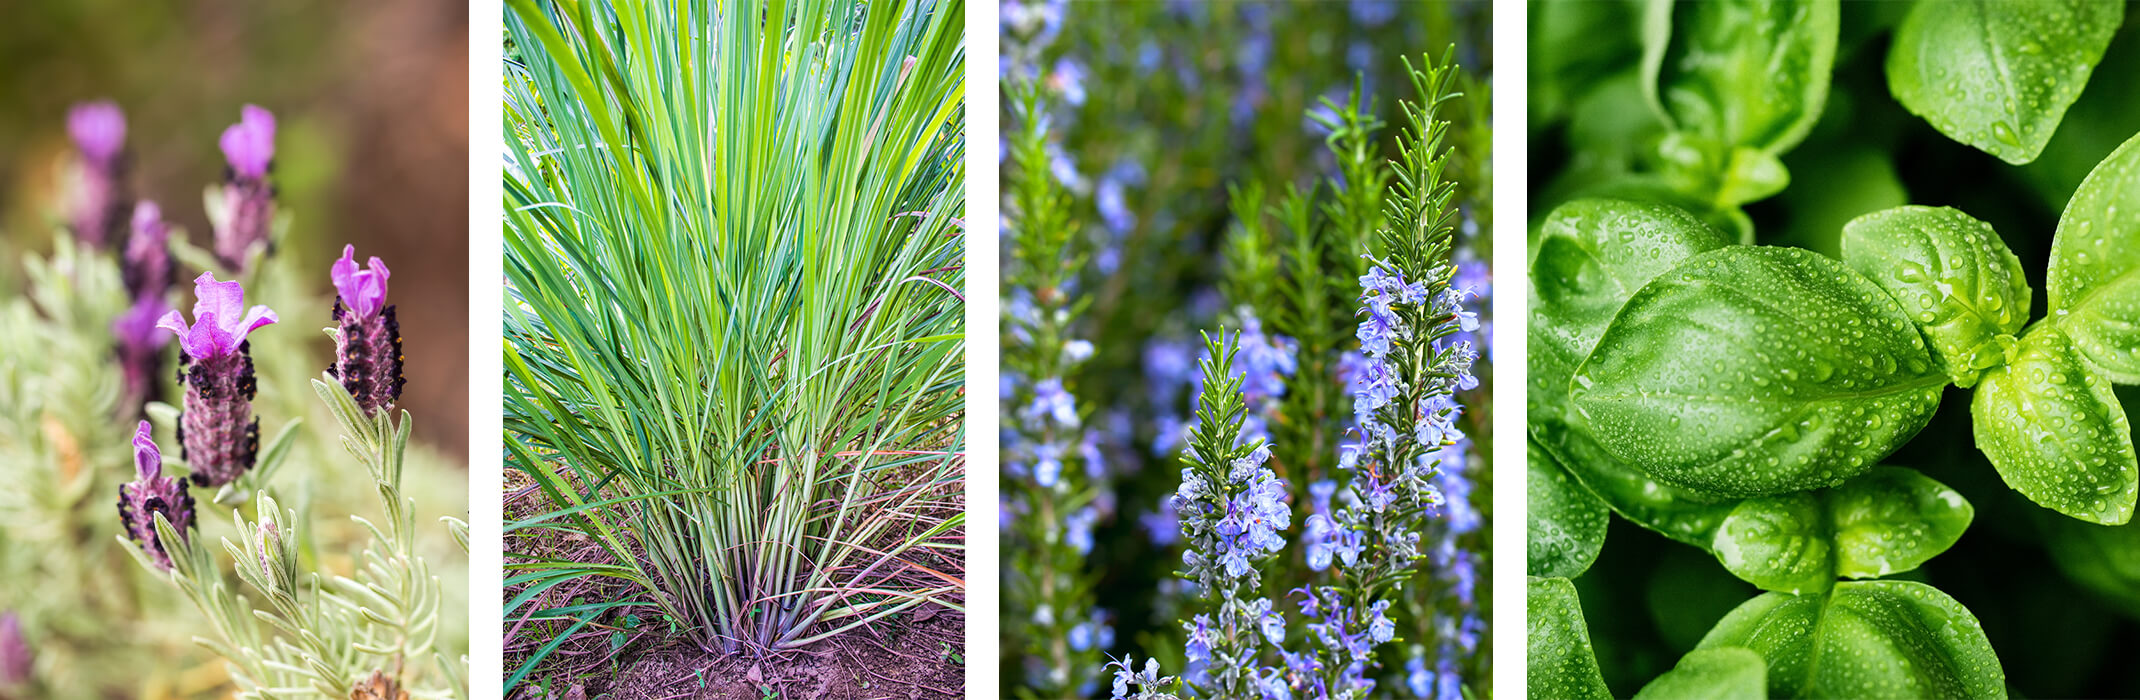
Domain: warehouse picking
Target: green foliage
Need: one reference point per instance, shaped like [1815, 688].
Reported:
[1567, 524]
[1560, 661]
[1902, 638]
[2094, 281]
[1999, 74]
[1807, 374]
[2052, 427]
[1887, 521]
[1719, 673]
[1951, 273]
[735, 334]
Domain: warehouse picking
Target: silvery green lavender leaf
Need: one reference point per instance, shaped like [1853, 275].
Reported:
[1998, 75]
[1722, 673]
[1953, 275]
[1567, 522]
[1865, 639]
[2094, 280]
[1888, 520]
[1750, 371]
[1593, 255]
[2051, 426]
[1560, 661]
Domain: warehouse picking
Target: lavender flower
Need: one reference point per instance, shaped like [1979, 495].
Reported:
[367, 344]
[146, 266]
[246, 210]
[218, 436]
[99, 202]
[140, 349]
[16, 660]
[151, 494]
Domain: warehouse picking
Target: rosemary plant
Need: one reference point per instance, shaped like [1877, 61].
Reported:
[735, 345]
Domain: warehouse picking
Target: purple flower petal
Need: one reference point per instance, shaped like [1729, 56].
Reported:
[362, 290]
[98, 128]
[249, 145]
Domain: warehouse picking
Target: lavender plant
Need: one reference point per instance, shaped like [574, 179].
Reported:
[94, 359]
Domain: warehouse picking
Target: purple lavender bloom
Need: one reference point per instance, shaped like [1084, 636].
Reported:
[140, 349]
[367, 346]
[16, 660]
[247, 209]
[150, 494]
[146, 266]
[218, 436]
[99, 199]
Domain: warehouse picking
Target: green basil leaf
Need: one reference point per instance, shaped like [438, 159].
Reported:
[1888, 520]
[2056, 433]
[1865, 639]
[1723, 175]
[1750, 73]
[1560, 661]
[1567, 523]
[1592, 255]
[1999, 74]
[1750, 371]
[1722, 673]
[1952, 274]
[2095, 266]
[2104, 558]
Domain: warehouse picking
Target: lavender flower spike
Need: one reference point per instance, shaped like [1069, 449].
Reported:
[151, 493]
[16, 661]
[367, 342]
[99, 198]
[140, 349]
[247, 208]
[217, 434]
[146, 266]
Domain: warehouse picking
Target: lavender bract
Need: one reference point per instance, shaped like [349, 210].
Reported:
[218, 436]
[140, 349]
[244, 211]
[98, 130]
[16, 660]
[151, 494]
[367, 342]
[146, 265]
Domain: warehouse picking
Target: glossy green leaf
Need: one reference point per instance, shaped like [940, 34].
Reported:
[2095, 266]
[1887, 521]
[2103, 558]
[1722, 673]
[2056, 433]
[1952, 274]
[1561, 664]
[1750, 371]
[1866, 639]
[1750, 73]
[1999, 74]
[1592, 255]
[1567, 523]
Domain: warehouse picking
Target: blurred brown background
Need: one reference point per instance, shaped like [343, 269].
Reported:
[372, 100]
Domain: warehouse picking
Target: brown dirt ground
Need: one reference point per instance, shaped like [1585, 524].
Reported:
[908, 658]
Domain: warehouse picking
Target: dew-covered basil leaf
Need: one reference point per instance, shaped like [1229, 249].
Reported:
[2056, 433]
[1998, 74]
[1886, 521]
[1567, 523]
[1750, 73]
[1865, 639]
[1561, 663]
[1593, 254]
[1722, 673]
[1952, 274]
[1750, 371]
[2095, 266]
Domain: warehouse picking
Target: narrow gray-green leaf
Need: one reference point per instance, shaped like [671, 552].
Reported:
[2056, 433]
[1722, 673]
[2095, 266]
[1567, 522]
[1866, 639]
[1750, 73]
[1750, 371]
[1999, 74]
[1952, 274]
[1593, 254]
[1561, 663]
